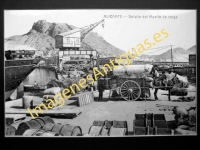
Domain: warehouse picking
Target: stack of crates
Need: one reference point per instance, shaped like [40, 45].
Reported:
[150, 124]
[85, 98]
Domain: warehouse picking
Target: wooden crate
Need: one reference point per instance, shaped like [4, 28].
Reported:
[150, 124]
[152, 131]
[85, 98]
[156, 116]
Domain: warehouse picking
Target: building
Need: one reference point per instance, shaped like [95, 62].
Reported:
[69, 44]
[192, 59]
[69, 40]
[84, 54]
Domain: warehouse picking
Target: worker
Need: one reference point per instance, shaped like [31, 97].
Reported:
[165, 80]
[100, 88]
[61, 65]
[20, 57]
[8, 55]
[17, 57]
[155, 73]
[187, 124]
[155, 77]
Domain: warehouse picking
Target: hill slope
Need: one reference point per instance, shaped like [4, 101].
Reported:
[192, 50]
[42, 37]
[179, 54]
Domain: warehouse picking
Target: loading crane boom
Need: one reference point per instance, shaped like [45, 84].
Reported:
[73, 38]
[86, 30]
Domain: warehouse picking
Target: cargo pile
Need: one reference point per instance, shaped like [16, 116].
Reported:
[179, 91]
[108, 128]
[43, 126]
[185, 120]
[151, 124]
[85, 98]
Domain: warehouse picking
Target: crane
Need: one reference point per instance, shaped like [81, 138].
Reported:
[86, 30]
[73, 38]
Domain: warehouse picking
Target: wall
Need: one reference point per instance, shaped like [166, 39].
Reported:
[41, 76]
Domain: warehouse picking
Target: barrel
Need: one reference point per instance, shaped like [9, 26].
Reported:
[68, 130]
[48, 126]
[10, 130]
[40, 121]
[33, 124]
[57, 128]
[39, 132]
[64, 130]
[46, 119]
[30, 132]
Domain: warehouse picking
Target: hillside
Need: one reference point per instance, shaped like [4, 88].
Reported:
[42, 35]
[192, 50]
[179, 54]
[102, 46]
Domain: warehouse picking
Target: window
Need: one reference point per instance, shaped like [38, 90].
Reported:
[66, 52]
[89, 52]
[77, 52]
[94, 53]
[60, 53]
[72, 52]
[77, 41]
[67, 40]
[83, 52]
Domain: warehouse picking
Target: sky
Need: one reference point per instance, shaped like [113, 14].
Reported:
[123, 28]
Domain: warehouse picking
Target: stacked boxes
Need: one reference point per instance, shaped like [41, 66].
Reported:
[85, 98]
[150, 124]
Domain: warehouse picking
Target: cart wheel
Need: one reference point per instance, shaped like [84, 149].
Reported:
[130, 90]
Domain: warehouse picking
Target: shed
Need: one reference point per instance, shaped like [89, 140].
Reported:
[69, 39]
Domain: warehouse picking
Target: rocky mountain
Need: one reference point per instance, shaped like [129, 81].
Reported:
[42, 37]
[97, 42]
[179, 54]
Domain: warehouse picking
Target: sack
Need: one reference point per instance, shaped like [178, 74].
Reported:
[52, 91]
[192, 117]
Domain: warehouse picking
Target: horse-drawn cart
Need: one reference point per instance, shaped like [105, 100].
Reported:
[133, 82]
[130, 89]
[130, 82]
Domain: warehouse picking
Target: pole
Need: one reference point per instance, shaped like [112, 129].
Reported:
[171, 55]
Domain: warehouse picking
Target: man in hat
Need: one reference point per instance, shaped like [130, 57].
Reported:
[100, 88]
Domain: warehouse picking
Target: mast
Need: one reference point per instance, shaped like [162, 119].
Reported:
[171, 55]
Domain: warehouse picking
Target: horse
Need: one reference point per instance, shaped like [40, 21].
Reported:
[163, 83]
